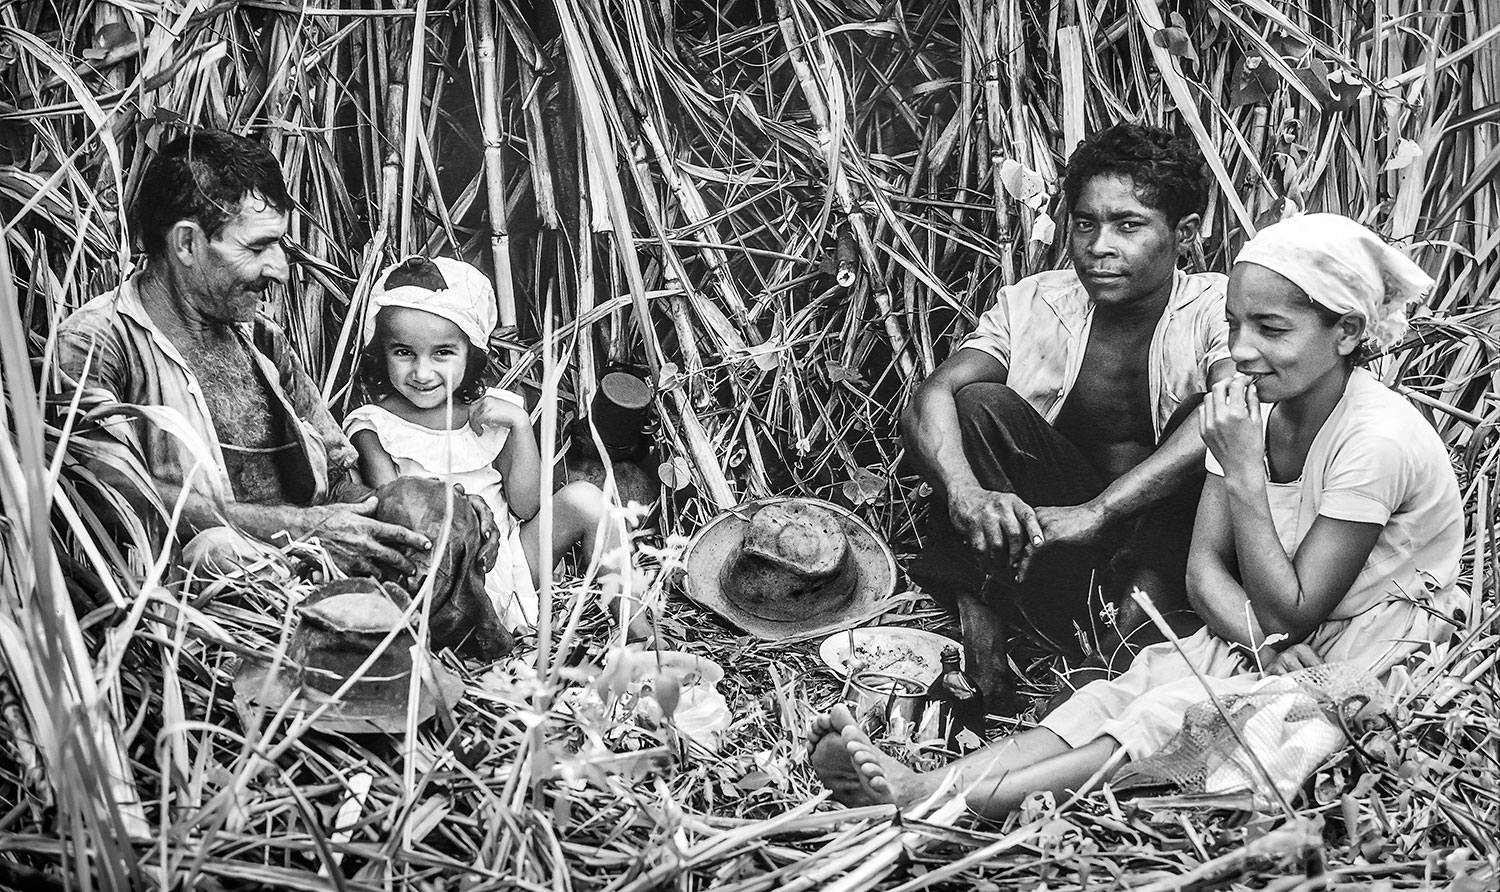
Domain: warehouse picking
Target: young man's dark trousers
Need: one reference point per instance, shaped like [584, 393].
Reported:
[1011, 448]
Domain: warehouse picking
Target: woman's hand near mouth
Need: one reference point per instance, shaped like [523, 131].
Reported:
[1232, 429]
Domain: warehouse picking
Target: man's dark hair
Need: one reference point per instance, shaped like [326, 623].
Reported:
[1169, 172]
[203, 177]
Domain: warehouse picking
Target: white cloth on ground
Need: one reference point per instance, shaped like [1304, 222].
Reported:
[462, 456]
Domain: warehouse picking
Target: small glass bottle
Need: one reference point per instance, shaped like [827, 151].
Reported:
[956, 695]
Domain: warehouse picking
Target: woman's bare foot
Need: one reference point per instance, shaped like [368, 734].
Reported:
[851, 767]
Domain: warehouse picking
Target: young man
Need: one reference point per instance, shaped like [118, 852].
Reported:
[1056, 428]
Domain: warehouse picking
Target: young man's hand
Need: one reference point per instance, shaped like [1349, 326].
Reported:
[1063, 525]
[994, 524]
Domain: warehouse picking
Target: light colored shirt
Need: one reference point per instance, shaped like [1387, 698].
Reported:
[1039, 327]
[1377, 460]
[111, 347]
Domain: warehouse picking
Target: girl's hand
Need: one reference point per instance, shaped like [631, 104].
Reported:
[490, 411]
[1231, 423]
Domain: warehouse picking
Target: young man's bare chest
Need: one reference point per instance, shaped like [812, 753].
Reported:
[1107, 413]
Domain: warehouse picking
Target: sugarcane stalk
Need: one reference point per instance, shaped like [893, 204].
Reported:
[598, 137]
[494, 161]
[838, 179]
[411, 115]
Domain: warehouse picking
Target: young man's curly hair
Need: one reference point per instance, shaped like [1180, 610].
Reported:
[1169, 172]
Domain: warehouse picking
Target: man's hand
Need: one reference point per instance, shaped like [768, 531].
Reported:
[489, 534]
[491, 411]
[363, 546]
[1063, 525]
[1298, 656]
[994, 523]
[1231, 422]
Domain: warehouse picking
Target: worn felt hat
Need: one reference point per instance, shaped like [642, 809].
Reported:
[338, 626]
[790, 568]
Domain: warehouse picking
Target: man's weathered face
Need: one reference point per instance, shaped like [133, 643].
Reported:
[233, 269]
[1123, 249]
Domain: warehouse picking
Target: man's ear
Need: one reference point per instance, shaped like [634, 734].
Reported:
[184, 240]
[1187, 229]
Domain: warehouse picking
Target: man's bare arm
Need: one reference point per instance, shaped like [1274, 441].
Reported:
[992, 522]
[358, 543]
[1155, 478]
[929, 423]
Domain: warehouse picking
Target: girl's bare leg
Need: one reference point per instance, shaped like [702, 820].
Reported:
[580, 515]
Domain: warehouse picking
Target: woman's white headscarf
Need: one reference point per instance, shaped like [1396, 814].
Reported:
[1345, 267]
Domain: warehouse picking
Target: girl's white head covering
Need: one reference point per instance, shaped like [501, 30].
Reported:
[1345, 267]
[468, 301]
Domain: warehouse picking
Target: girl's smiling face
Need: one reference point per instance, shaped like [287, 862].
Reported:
[426, 356]
[1278, 336]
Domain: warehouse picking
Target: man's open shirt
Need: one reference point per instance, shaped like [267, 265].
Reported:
[1039, 327]
[113, 348]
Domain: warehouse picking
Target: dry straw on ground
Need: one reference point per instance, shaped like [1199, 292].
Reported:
[786, 212]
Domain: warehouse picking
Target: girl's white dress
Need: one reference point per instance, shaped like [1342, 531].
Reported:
[1375, 460]
[462, 456]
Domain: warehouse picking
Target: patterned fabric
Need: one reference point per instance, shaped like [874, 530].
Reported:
[111, 347]
[1039, 327]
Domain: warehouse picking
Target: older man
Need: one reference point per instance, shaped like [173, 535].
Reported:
[1054, 436]
[256, 455]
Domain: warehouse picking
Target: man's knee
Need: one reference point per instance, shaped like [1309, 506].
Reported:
[988, 404]
[222, 551]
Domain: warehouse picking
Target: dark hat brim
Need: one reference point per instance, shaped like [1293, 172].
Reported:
[716, 542]
[255, 687]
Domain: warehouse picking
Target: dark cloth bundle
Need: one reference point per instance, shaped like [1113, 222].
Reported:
[462, 616]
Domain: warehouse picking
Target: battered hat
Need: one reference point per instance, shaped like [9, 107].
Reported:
[790, 568]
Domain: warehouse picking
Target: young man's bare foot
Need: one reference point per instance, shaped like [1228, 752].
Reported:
[851, 767]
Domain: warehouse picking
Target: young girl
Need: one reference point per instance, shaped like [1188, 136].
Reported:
[425, 365]
[1330, 527]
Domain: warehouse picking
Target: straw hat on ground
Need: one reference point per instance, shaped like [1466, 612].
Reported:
[788, 568]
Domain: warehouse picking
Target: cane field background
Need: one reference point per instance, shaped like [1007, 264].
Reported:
[784, 213]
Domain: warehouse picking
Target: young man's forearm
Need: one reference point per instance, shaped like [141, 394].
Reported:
[1156, 478]
[930, 428]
